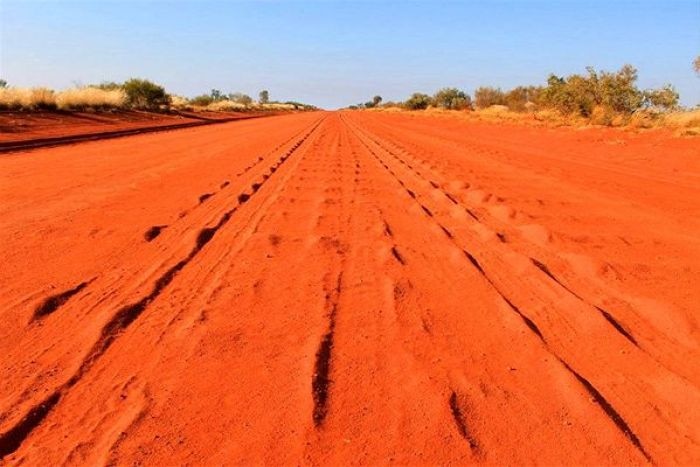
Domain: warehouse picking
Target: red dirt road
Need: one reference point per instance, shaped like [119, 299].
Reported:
[327, 288]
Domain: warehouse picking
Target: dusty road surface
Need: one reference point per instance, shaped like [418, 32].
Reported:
[332, 288]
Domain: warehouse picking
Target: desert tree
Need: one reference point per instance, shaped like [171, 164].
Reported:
[581, 94]
[264, 96]
[240, 98]
[696, 65]
[3, 84]
[486, 96]
[521, 98]
[452, 99]
[617, 90]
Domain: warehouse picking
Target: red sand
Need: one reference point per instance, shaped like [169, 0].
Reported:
[333, 288]
[23, 126]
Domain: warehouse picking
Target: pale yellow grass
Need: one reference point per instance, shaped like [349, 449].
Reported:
[90, 98]
[226, 106]
[26, 98]
[387, 109]
[230, 106]
[278, 106]
[685, 123]
[180, 103]
[70, 99]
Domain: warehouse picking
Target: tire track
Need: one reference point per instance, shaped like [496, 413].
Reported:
[608, 316]
[609, 410]
[527, 320]
[539, 265]
[12, 439]
[54, 302]
[454, 404]
[605, 406]
[253, 224]
[154, 231]
[460, 422]
[613, 323]
[321, 378]
[332, 168]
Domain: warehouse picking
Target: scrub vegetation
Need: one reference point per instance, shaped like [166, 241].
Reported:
[134, 94]
[594, 97]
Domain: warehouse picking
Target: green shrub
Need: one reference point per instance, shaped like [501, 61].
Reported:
[418, 101]
[143, 94]
[617, 91]
[665, 98]
[572, 95]
[578, 94]
[452, 99]
[203, 100]
[240, 98]
[376, 100]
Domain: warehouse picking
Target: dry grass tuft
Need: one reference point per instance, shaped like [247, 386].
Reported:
[90, 98]
[70, 99]
[226, 106]
[180, 103]
[27, 98]
[686, 123]
[687, 119]
[276, 106]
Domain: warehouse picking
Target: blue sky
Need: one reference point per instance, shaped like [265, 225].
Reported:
[333, 53]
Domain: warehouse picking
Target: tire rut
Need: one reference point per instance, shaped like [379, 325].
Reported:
[609, 410]
[12, 439]
[608, 317]
[461, 423]
[605, 406]
[538, 264]
[153, 232]
[54, 302]
[321, 378]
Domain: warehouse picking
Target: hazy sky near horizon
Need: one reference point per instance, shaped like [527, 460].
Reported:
[333, 53]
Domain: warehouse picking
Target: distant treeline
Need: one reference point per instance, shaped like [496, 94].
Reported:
[577, 94]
